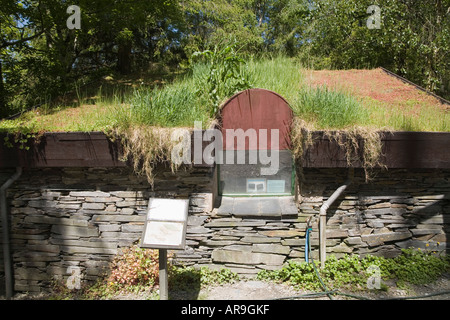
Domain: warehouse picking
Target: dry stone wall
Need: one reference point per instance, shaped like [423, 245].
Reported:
[397, 209]
[75, 220]
[68, 222]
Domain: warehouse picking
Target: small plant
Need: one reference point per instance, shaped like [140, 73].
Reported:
[188, 278]
[224, 76]
[412, 266]
[136, 266]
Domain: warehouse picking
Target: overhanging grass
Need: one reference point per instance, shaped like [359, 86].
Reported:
[180, 103]
[134, 113]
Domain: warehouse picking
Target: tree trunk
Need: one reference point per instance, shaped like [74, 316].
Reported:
[3, 107]
[124, 58]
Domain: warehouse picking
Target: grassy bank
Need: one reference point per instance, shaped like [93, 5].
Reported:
[143, 115]
[186, 99]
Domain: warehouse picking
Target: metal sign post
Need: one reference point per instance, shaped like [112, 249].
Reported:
[163, 276]
[165, 228]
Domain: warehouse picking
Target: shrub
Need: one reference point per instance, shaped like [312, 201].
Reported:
[136, 266]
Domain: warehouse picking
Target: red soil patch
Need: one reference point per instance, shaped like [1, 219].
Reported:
[375, 84]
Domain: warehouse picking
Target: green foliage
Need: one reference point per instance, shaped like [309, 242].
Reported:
[190, 278]
[417, 267]
[413, 39]
[176, 104]
[136, 270]
[40, 58]
[329, 109]
[265, 73]
[190, 98]
[297, 274]
[224, 78]
[136, 266]
[197, 95]
[412, 266]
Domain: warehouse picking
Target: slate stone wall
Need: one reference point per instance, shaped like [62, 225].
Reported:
[75, 220]
[397, 209]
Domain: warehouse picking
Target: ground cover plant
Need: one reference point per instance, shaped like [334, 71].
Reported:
[352, 272]
[135, 273]
[136, 270]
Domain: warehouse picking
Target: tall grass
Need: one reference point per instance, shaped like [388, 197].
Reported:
[329, 109]
[185, 100]
[144, 118]
[279, 74]
[176, 105]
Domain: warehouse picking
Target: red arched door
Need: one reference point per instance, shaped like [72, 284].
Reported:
[255, 126]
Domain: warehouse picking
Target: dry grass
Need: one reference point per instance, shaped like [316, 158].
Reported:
[145, 147]
[361, 144]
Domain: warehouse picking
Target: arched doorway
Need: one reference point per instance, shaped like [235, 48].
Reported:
[257, 160]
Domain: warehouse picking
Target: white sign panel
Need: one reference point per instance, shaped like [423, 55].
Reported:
[165, 227]
[167, 209]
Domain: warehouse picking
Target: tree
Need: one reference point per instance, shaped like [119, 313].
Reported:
[413, 39]
[40, 52]
[13, 36]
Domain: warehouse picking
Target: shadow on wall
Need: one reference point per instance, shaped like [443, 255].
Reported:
[67, 233]
[398, 209]
[67, 224]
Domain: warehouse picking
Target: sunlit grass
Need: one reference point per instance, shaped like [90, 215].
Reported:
[179, 103]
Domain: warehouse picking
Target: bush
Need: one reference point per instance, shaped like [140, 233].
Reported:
[136, 266]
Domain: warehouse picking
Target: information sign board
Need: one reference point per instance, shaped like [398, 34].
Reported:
[165, 225]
